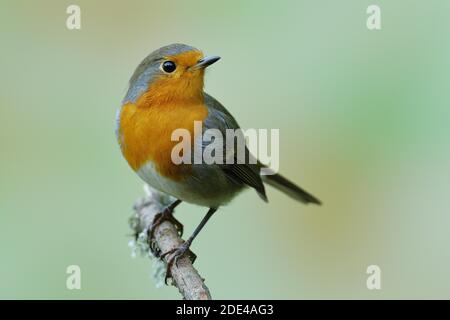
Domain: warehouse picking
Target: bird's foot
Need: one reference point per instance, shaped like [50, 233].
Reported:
[166, 215]
[175, 254]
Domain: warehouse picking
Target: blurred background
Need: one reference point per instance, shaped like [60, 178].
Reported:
[364, 125]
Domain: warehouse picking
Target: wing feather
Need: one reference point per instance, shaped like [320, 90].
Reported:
[245, 173]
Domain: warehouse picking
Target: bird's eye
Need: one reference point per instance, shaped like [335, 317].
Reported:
[168, 66]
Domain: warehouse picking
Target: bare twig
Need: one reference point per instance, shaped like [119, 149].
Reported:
[185, 277]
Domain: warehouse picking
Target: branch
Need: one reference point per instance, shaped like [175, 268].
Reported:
[185, 277]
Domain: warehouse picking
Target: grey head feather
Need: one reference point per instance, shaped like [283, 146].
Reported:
[149, 68]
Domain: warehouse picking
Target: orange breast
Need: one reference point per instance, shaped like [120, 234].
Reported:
[145, 133]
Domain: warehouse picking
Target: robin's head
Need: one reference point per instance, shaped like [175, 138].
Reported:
[171, 73]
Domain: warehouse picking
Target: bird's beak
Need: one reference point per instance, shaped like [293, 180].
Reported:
[206, 61]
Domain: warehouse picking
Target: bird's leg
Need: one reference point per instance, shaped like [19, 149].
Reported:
[165, 215]
[176, 253]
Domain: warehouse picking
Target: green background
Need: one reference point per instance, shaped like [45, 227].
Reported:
[364, 125]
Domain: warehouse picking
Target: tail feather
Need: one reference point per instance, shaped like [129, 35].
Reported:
[281, 183]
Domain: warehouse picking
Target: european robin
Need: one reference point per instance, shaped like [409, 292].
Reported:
[166, 93]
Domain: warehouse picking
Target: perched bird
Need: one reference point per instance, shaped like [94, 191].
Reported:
[166, 93]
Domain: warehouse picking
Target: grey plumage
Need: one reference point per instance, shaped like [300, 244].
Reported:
[249, 174]
[148, 69]
[210, 184]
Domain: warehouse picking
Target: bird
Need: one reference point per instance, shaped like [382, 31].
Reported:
[166, 93]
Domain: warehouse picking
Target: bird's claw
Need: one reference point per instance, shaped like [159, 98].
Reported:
[175, 254]
[159, 218]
